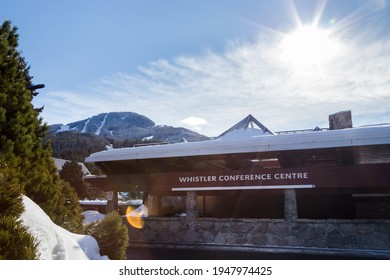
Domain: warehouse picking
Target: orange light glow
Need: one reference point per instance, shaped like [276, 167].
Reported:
[134, 218]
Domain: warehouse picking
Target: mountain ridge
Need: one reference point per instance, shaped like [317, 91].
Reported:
[128, 126]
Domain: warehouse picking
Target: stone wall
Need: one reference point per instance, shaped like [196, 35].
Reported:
[341, 234]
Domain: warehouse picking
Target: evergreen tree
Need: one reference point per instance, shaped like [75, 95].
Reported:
[15, 242]
[73, 174]
[22, 131]
[72, 220]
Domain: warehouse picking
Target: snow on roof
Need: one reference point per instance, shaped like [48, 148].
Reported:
[243, 133]
[102, 202]
[249, 126]
[60, 163]
[375, 135]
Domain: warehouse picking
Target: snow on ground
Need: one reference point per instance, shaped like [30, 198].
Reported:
[91, 216]
[54, 242]
[63, 128]
[147, 138]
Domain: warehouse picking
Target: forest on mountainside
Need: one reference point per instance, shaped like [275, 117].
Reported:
[76, 146]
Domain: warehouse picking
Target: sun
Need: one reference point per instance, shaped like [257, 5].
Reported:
[308, 46]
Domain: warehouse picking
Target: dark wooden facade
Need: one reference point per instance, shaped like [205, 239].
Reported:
[343, 182]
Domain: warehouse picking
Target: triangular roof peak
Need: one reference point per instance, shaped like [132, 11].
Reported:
[250, 122]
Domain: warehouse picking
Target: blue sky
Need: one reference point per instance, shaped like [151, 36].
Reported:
[206, 64]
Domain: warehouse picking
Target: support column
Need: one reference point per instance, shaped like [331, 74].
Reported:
[290, 205]
[192, 211]
[112, 201]
[153, 204]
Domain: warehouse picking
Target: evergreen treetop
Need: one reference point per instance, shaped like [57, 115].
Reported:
[72, 173]
[22, 131]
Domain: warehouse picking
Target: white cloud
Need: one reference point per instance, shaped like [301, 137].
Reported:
[247, 78]
[194, 123]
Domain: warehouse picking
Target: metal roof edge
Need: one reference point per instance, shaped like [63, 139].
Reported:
[321, 139]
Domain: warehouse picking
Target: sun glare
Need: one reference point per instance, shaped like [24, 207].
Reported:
[308, 46]
[134, 218]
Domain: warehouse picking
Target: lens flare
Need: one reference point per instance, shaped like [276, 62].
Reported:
[134, 217]
[332, 22]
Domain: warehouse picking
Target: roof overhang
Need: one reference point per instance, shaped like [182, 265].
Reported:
[363, 136]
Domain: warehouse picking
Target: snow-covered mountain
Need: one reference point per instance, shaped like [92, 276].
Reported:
[128, 125]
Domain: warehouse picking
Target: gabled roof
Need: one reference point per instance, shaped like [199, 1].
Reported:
[249, 125]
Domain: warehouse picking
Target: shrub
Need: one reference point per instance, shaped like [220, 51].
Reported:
[111, 234]
[15, 242]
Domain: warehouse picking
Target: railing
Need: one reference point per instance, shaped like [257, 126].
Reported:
[301, 130]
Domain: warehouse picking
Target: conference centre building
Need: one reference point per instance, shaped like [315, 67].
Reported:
[324, 190]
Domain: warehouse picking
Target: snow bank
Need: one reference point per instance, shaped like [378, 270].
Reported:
[54, 242]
